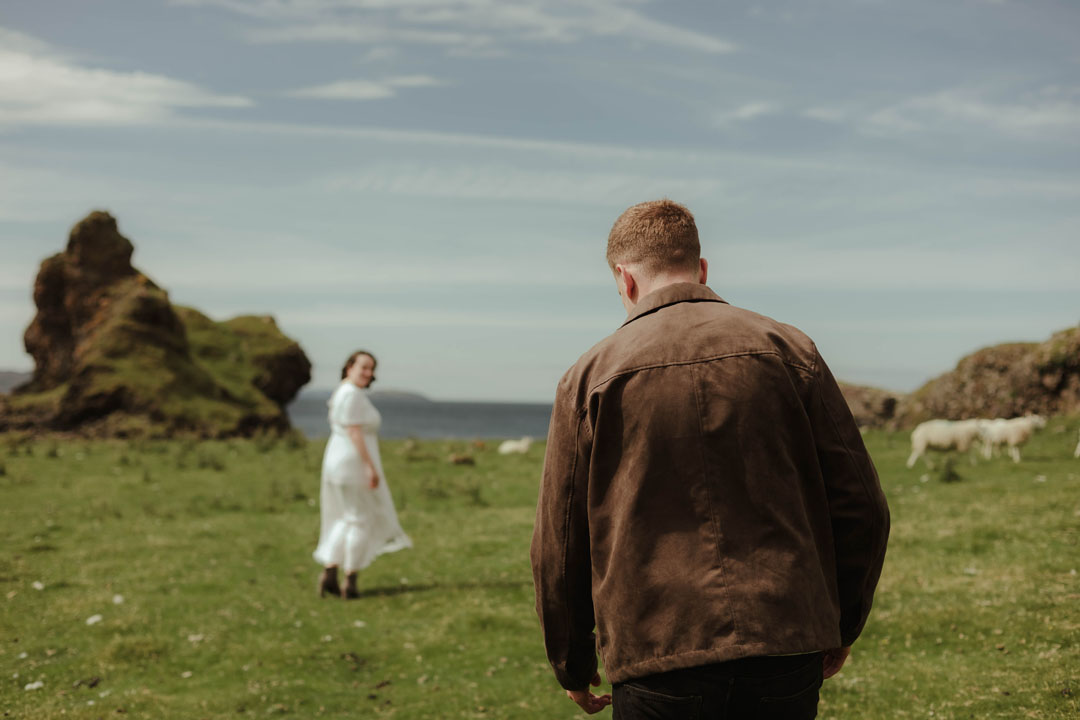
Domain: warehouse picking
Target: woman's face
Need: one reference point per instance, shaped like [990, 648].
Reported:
[362, 371]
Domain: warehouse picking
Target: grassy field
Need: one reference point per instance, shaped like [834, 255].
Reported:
[174, 580]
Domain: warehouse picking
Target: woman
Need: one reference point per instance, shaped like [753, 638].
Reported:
[359, 522]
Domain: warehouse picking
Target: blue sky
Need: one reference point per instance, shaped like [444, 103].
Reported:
[435, 179]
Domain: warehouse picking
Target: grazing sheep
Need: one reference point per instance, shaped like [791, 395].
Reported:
[992, 435]
[508, 447]
[1013, 432]
[942, 435]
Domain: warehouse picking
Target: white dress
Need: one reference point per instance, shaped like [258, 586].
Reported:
[358, 523]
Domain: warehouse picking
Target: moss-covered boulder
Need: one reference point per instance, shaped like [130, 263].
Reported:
[1004, 381]
[871, 407]
[113, 357]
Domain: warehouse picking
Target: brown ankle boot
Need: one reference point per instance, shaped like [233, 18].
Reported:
[350, 591]
[328, 582]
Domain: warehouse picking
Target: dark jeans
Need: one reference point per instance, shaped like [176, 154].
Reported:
[765, 688]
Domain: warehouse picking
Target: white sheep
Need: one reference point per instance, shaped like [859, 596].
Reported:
[508, 447]
[992, 434]
[942, 435]
[1013, 432]
[1076, 452]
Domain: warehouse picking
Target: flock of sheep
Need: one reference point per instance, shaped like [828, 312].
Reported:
[961, 435]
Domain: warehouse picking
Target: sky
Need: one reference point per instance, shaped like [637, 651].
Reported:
[434, 180]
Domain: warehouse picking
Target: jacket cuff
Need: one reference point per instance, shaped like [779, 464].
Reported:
[579, 670]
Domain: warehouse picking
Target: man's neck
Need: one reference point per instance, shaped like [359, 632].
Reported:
[650, 285]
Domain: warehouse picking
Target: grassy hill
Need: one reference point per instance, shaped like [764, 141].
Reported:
[168, 579]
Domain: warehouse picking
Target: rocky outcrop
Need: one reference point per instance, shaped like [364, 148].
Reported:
[113, 357]
[1003, 381]
[871, 407]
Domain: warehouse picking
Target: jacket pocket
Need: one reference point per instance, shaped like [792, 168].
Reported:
[634, 703]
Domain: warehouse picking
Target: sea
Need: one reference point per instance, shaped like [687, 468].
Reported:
[406, 415]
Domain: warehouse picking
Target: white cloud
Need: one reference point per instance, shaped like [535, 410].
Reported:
[346, 316]
[413, 81]
[967, 109]
[40, 86]
[747, 111]
[809, 265]
[500, 183]
[364, 32]
[826, 114]
[462, 26]
[364, 89]
[1051, 111]
[346, 90]
[379, 54]
[633, 24]
[444, 139]
[292, 263]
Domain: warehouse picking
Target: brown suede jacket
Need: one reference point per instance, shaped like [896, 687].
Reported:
[706, 496]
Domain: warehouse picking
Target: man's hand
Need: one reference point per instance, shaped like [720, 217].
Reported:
[372, 476]
[587, 701]
[834, 660]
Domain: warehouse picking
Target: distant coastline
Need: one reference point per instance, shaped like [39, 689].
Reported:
[10, 379]
[407, 414]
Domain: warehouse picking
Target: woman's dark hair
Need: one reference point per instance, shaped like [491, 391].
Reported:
[352, 359]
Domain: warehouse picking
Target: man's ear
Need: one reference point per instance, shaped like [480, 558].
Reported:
[624, 278]
[704, 271]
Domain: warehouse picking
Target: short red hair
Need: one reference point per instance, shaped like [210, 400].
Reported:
[659, 235]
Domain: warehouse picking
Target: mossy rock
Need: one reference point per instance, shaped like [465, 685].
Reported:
[113, 357]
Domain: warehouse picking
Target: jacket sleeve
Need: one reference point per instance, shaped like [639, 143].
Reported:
[858, 512]
[561, 563]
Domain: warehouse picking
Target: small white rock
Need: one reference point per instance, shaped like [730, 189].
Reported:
[94, 619]
[117, 599]
[22, 656]
[34, 685]
[186, 674]
[361, 623]
[37, 585]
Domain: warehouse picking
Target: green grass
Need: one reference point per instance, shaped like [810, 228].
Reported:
[977, 614]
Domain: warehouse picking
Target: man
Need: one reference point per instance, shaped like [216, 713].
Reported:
[707, 503]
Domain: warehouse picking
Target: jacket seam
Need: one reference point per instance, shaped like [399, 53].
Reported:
[699, 361]
[712, 506]
[570, 645]
[863, 483]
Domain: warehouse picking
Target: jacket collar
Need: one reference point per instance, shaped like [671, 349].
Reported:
[671, 294]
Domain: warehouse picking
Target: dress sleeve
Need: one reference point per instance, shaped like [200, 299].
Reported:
[355, 409]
